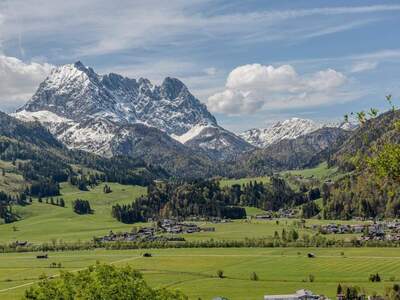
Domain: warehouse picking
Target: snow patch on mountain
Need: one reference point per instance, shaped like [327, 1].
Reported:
[42, 116]
[191, 133]
[288, 129]
[95, 135]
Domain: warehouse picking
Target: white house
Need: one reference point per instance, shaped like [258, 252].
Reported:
[299, 295]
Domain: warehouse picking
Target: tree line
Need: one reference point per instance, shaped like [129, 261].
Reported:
[206, 198]
[202, 198]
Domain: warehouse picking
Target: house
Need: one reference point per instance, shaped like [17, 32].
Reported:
[207, 229]
[265, 216]
[21, 243]
[299, 295]
[376, 230]
[357, 228]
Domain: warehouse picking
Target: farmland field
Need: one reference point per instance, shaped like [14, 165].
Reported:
[280, 270]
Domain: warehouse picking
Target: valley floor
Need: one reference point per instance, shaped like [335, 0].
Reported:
[44, 223]
[193, 271]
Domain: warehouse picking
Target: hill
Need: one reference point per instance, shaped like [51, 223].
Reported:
[33, 164]
[372, 154]
[375, 132]
[302, 152]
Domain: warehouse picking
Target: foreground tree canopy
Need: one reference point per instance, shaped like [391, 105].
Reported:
[100, 282]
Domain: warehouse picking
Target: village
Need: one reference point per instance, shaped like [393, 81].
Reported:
[280, 214]
[162, 231]
[378, 231]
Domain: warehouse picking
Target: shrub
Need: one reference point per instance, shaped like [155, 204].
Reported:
[374, 278]
[254, 276]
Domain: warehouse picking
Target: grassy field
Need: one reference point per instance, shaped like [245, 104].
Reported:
[44, 222]
[241, 181]
[10, 182]
[194, 270]
[319, 172]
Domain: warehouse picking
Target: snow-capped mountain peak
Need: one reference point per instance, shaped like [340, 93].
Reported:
[287, 129]
[86, 110]
[75, 91]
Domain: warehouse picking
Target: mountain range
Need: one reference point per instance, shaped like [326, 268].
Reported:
[163, 125]
[112, 115]
[287, 130]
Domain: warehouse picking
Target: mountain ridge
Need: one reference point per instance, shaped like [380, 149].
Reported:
[88, 111]
[288, 129]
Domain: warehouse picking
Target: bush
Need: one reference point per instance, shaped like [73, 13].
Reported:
[374, 278]
[254, 276]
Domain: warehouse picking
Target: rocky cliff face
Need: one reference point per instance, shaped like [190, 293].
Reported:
[89, 111]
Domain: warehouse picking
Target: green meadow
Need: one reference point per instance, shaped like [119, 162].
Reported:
[229, 182]
[322, 171]
[193, 271]
[42, 222]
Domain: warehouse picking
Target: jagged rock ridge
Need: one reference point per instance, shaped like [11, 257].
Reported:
[100, 113]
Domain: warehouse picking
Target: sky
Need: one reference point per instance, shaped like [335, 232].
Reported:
[251, 62]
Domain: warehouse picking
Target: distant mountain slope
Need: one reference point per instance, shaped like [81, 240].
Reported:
[371, 189]
[375, 132]
[218, 143]
[37, 155]
[305, 151]
[288, 129]
[87, 111]
[32, 132]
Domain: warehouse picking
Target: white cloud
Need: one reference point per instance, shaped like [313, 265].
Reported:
[362, 66]
[19, 80]
[211, 71]
[254, 87]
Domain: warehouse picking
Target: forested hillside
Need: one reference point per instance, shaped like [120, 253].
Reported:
[372, 154]
[208, 199]
[40, 162]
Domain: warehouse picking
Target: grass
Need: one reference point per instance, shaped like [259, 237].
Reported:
[194, 270]
[11, 182]
[241, 181]
[43, 222]
[252, 211]
[242, 229]
[322, 171]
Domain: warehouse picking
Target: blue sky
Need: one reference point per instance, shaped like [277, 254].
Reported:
[251, 62]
